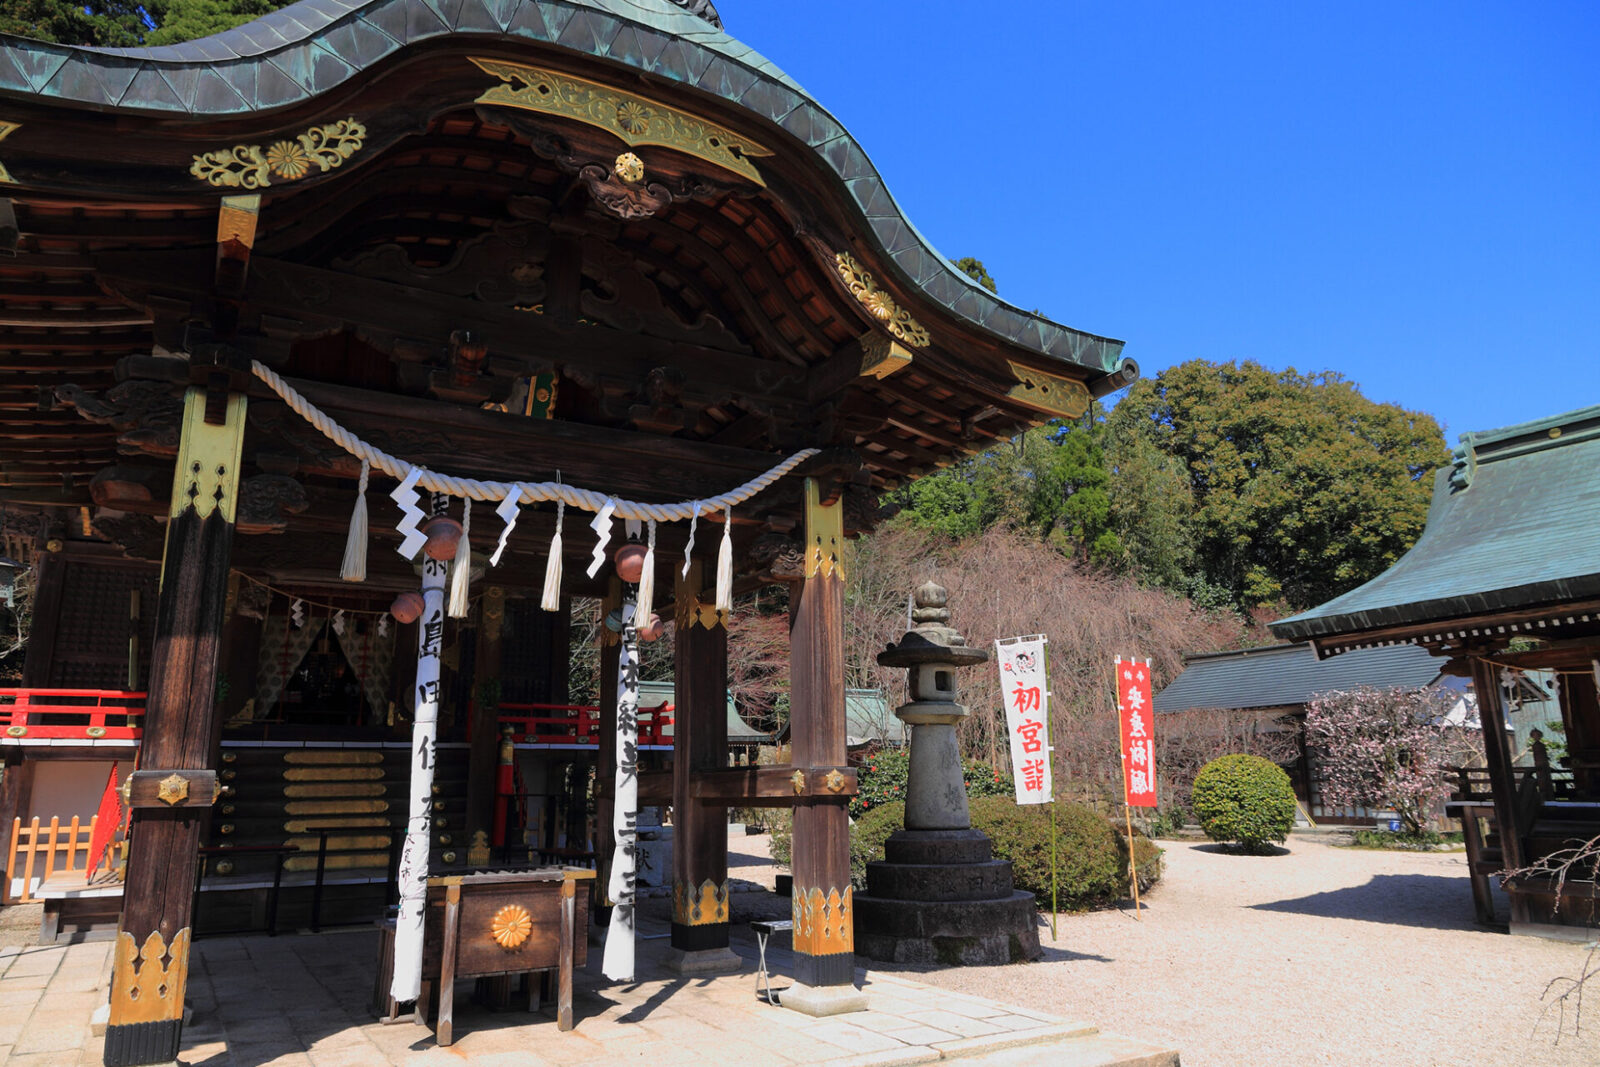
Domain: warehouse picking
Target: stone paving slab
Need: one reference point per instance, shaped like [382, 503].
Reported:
[304, 1001]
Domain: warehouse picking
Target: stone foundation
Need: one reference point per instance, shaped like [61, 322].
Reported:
[940, 896]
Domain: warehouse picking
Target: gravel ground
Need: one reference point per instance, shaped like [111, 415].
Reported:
[1319, 955]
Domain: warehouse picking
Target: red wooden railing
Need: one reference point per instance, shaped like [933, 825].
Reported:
[577, 724]
[71, 713]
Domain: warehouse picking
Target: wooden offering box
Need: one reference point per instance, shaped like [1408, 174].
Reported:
[480, 925]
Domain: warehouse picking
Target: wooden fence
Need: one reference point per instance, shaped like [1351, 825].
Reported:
[38, 851]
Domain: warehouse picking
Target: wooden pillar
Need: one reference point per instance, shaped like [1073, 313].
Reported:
[48, 590]
[16, 787]
[699, 743]
[1502, 786]
[483, 757]
[150, 961]
[823, 912]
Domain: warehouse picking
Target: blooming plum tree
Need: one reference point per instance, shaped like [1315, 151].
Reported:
[1391, 748]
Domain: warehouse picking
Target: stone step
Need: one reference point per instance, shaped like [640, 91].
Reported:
[1088, 1050]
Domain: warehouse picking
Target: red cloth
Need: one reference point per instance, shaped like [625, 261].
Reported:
[106, 821]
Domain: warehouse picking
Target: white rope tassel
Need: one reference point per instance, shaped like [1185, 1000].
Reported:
[551, 600]
[355, 546]
[647, 580]
[725, 564]
[461, 570]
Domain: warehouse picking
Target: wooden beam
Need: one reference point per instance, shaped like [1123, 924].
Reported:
[773, 787]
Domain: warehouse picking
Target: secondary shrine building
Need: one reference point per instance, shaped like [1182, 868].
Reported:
[594, 266]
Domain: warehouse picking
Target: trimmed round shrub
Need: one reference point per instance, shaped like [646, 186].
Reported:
[1244, 800]
[1091, 856]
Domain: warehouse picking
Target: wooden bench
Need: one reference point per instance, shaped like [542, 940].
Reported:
[494, 925]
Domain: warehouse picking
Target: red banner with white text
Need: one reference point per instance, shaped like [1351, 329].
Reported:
[1137, 726]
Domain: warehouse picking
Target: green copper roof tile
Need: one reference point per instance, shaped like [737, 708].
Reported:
[1286, 676]
[149, 88]
[77, 78]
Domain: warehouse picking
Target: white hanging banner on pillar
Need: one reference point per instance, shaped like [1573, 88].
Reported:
[618, 964]
[1025, 688]
[412, 876]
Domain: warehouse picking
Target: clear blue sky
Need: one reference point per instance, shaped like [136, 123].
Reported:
[1408, 194]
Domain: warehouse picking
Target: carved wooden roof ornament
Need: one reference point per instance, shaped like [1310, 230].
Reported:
[250, 166]
[865, 288]
[637, 120]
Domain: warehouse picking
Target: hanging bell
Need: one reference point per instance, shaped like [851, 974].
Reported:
[443, 534]
[407, 608]
[652, 629]
[630, 562]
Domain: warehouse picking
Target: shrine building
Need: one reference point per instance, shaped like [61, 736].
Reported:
[344, 352]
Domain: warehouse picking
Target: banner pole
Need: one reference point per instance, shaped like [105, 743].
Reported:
[1133, 862]
[1054, 906]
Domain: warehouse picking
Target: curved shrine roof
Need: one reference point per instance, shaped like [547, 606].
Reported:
[314, 48]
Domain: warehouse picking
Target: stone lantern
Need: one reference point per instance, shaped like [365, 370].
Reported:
[939, 896]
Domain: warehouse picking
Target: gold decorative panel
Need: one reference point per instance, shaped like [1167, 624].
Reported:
[699, 907]
[335, 789]
[865, 288]
[336, 807]
[881, 356]
[511, 926]
[332, 757]
[6, 129]
[1050, 393]
[148, 981]
[250, 166]
[333, 774]
[637, 120]
[206, 477]
[824, 924]
[824, 535]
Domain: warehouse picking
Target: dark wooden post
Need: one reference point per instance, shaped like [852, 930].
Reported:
[47, 593]
[1502, 785]
[823, 912]
[150, 963]
[699, 743]
[484, 756]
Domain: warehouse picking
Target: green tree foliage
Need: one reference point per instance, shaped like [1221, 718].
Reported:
[974, 269]
[1052, 482]
[1300, 488]
[122, 24]
[106, 23]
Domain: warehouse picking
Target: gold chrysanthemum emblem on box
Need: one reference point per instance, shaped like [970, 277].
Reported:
[511, 926]
[250, 166]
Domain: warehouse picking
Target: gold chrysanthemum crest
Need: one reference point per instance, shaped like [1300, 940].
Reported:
[896, 319]
[250, 166]
[511, 926]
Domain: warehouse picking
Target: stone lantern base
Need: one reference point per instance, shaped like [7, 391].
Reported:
[940, 896]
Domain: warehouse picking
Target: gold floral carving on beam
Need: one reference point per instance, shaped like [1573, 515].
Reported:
[896, 319]
[6, 129]
[823, 924]
[174, 790]
[798, 780]
[699, 907]
[511, 926]
[637, 120]
[250, 166]
[1050, 393]
[881, 356]
[834, 781]
[147, 982]
[629, 167]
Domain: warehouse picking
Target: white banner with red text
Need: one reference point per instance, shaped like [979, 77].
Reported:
[1025, 687]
